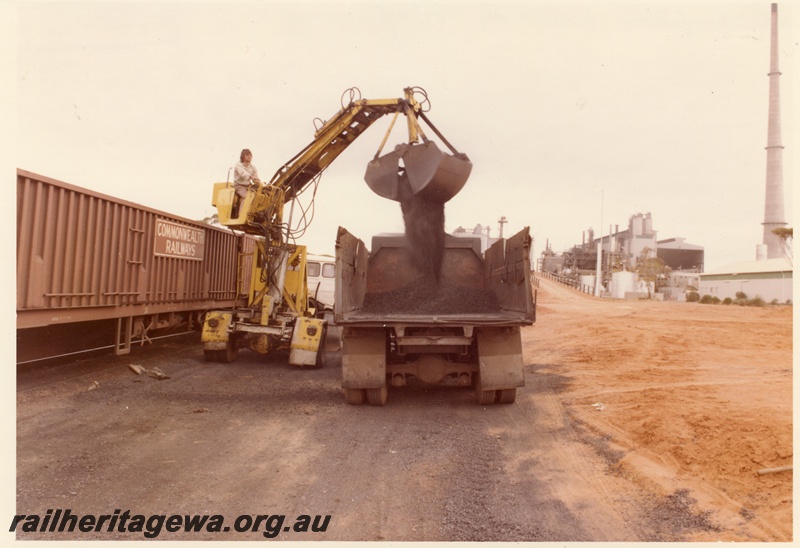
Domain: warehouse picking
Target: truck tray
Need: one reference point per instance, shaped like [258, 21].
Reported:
[384, 287]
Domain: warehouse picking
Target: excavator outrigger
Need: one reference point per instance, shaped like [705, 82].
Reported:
[277, 312]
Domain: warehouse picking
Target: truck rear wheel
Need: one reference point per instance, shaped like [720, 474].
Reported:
[377, 396]
[485, 397]
[508, 395]
[354, 396]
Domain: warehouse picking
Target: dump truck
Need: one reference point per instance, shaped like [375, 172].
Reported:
[463, 329]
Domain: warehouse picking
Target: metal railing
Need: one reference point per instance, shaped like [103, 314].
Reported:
[569, 282]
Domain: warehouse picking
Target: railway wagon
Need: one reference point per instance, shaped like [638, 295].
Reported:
[85, 259]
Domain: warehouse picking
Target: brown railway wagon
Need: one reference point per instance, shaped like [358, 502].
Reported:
[83, 256]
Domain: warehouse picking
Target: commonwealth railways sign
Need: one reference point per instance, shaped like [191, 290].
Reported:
[179, 241]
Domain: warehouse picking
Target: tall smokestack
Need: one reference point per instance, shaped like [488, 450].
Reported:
[773, 205]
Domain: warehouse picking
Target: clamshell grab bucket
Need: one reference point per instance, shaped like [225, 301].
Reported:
[383, 176]
[431, 173]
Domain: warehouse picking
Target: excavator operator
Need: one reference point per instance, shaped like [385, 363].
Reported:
[244, 174]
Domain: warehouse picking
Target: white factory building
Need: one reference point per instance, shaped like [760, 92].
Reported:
[770, 279]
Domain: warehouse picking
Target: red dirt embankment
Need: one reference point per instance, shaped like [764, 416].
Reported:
[689, 397]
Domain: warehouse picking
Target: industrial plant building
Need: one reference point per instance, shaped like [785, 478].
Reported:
[622, 251]
[619, 249]
[483, 233]
[769, 277]
[679, 255]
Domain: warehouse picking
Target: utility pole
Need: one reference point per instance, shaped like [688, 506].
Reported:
[598, 284]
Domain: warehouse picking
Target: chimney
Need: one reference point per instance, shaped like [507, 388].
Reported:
[773, 204]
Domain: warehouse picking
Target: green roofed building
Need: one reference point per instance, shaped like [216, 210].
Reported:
[770, 279]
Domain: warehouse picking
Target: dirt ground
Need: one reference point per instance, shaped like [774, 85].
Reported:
[639, 421]
[690, 397]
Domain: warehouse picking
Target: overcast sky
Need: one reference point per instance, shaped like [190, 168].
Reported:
[662, 106]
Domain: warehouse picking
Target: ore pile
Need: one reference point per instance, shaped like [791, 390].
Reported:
[429, 298]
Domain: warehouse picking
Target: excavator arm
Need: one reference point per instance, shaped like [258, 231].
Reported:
[332, 139]
[429, 170]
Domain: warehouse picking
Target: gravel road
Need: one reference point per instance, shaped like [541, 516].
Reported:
[258, 437]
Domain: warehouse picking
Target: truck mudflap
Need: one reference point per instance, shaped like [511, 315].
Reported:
[364, 365]
[363, 358]
[500, 367]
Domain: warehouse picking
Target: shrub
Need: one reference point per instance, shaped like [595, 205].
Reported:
[727, 300]
[692, 297]
[741, 296]
[707, 299]
[756, 301]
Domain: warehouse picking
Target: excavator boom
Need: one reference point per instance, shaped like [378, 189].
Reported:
[430, 172]
[329, 141]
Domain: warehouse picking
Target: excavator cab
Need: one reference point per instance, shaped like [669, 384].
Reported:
[223, 198]
[232, 210]
[258, 212]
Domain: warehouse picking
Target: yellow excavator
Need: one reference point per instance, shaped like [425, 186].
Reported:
[277, 314]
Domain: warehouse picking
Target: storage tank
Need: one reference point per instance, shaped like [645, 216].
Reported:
[621, 283]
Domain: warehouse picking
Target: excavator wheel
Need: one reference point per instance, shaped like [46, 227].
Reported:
[319, 363]
[377, 396]
[229, 354]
